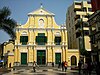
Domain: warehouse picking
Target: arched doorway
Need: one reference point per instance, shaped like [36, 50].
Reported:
[73, 61]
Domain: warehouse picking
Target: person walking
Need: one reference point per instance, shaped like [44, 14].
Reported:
[65, 65]
[52, 64]
[59, 64]
[34, 66]
[79, 66]
[85, 66]
[62, 66]
[89, 68]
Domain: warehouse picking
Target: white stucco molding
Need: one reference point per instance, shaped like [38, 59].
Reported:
[58, 51]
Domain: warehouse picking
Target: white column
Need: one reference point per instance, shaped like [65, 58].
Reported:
[34, 36]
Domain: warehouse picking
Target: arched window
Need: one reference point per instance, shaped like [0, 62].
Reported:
[73, 61]
[24, 38]
[24, 33]
[41, 23]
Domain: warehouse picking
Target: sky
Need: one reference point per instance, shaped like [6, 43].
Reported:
[21, 8]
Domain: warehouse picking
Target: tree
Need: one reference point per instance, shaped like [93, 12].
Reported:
[7, 24]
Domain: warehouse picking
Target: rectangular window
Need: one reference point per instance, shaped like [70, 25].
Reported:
[90, 9]
[78, 34]
[77, 10]
[24, 40]
[41, 39]
[77, 3]
[57, 40]
[77, 26]
[84, 9]
[89, 2]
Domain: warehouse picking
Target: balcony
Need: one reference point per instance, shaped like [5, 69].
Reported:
[85, 28]
[80, 13]
[77, 7]
[84, 4]
[85, 19]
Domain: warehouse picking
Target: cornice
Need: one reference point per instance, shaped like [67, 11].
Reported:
[40, 15]
[41, 45]
[38, 29]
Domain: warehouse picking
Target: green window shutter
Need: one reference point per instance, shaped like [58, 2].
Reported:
[21, 38]
[36, 38]
[45, 39]
[24, 40]
[57, 40]
[41, 39]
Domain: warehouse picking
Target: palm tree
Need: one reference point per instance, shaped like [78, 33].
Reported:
[7, 24]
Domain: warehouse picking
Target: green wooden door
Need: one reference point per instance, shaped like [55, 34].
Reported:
[57, 58]
[23, 58]
[41, 57]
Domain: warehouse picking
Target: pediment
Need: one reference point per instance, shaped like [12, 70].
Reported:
[41, 11]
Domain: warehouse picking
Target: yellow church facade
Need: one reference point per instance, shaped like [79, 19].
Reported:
[43, 41]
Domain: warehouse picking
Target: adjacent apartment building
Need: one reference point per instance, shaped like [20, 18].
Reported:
[78, 10]
[43, 41]
[94, 26]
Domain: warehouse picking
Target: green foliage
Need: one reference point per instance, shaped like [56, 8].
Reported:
[7, 24]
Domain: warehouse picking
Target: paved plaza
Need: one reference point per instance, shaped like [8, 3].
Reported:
[42, 71]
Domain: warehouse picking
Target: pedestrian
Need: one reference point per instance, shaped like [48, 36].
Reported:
[95, 66]
[52, 64]
[79, 66]
[85, 66]
[98, 67]
[59, 64]
[9, 65]
[62, 66]
[34, 66]
[89, 68]
[65, 65]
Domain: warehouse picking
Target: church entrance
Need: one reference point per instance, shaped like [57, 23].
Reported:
[23, 58]
[41, 57]
[57, 58]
